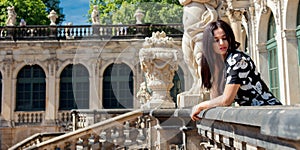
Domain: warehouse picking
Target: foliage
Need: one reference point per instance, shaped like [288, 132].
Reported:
[54, 5]
[34, 12]
[155, 11]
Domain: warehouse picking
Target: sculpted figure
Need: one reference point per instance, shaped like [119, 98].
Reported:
[95, 15]
[197, 14]
[11, 20]
[143, 94]
[52, 16]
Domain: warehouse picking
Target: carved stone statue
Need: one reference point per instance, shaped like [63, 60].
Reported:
[143, 94]
[52, 16]
[95, 15]
[11, 20]
[139, 16]
[22, 23]
[197, 14]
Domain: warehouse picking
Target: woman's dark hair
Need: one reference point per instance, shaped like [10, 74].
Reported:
[210, 60]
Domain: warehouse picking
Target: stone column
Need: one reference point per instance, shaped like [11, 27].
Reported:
[159, 61]
[235, 17]
[290, 57]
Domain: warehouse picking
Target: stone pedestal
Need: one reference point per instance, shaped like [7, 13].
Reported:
[190, 100]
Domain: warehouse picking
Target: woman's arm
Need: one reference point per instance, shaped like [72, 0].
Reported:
[226, 99]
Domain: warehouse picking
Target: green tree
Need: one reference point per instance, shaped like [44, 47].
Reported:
[155, 11]
[54, 5]
[34, 12]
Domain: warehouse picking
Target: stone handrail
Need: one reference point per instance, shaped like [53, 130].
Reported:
[82, 137]
[262, 127]
[34, 139]
[84, 117]
[67, 32]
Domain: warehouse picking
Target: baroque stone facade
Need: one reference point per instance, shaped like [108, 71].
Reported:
[251, 22]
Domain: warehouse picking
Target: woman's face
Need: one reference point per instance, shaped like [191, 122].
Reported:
[220, 44]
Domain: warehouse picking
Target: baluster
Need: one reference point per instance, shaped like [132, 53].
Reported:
[79, 144]
[97, 118]
[23, 118]
[27, 118]
[19, 117]
[41, 117]
[102, 137]
[90, 31]
[36, 117]
[85, 31]
[79, 121]
[77, 32]
[85, 121]
[118, 136]
[63, 117]
[114, 135]
[125, 30]
[141, 136]
[32, 118]
[117, 31]
[105, 31]
[126, 131]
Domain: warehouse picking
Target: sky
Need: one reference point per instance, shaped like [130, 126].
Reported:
[74, 11]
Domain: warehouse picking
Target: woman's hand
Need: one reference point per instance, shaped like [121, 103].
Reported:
[195, 111]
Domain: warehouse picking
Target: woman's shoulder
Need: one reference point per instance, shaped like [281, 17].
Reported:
[237, 56]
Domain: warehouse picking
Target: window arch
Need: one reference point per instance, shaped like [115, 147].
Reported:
[178, 81]
[273, 57]
[74, 88]
[118, 86]
[31, 89]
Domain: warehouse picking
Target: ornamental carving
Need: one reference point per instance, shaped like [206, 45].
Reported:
[159, 62]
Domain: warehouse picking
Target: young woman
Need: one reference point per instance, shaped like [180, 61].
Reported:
[243, 83]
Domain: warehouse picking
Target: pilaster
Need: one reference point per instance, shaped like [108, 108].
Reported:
[7, 102]
[290, 57]
[51, 108]
[262, 61]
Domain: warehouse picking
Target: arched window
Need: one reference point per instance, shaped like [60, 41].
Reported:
[31, 89]
[118, 86]
[273, 57]
[178, 82]
[74, 88]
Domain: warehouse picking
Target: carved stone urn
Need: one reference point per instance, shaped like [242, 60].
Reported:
[159, 62]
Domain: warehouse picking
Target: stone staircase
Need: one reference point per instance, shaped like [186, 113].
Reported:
[123, 131]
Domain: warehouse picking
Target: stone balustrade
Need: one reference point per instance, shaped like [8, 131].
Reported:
[24, 117]
[67, 32]
[119, 131]
[85, 117]
[262, 127]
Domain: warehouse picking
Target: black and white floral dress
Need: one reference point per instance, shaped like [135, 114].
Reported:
[240, 69]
